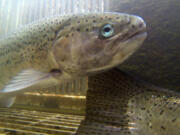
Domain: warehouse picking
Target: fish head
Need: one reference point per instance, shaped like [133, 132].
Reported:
[91, 43]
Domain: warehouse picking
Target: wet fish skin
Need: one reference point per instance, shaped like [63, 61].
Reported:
[59, 49]
[119, 104]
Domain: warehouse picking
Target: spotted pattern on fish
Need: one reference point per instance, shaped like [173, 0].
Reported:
[64, 48]
[119, 104]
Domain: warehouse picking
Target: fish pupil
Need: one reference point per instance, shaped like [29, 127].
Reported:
[55, 71]
[107, 31]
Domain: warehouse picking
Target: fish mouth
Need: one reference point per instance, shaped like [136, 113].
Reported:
[128, 37]
[141, 33]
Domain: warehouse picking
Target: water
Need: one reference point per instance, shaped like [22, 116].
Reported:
[158, 61]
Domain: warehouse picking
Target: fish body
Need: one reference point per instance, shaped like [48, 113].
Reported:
[119, 104]
[63, 48]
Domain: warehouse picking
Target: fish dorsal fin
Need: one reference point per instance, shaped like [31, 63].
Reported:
[25, 79]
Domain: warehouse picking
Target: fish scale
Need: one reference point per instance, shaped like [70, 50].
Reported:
[129, 106]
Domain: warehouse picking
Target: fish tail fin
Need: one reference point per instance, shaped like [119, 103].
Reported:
[7, 101]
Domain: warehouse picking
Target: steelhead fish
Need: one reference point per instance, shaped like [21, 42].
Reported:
[120, 104]
[59, 49]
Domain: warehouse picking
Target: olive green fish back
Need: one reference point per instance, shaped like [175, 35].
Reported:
[118, 104]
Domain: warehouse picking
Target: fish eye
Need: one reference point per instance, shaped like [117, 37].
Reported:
[107, 31]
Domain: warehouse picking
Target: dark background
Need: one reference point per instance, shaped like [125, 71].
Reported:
[158, 61]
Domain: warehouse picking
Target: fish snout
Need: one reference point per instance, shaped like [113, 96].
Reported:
[138, 24]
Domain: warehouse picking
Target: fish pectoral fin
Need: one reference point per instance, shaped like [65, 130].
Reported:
[7, 101]
[25, 79]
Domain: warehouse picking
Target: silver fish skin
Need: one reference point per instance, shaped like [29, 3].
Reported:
[63, 48]
[120, 104]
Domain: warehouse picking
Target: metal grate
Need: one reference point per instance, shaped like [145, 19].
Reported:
[17, 122]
